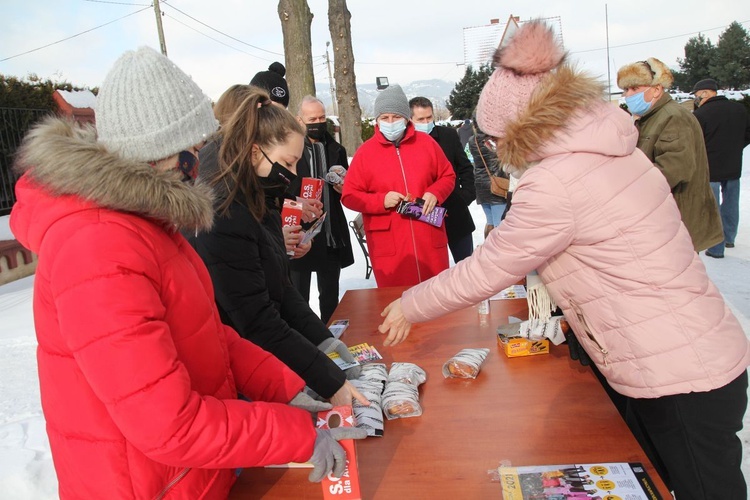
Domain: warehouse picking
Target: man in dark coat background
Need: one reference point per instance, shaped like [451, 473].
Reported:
[458, 224]
[465, 132]
[331, 249]
[726, 130]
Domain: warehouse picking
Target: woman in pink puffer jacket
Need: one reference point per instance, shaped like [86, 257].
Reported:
[597, 220]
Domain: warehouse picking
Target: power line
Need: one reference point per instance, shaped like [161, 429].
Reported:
[572, 52]
[120, 3]
[656, 39]
[409, 63]
[77, 34]
[214, 39]
[221, 32]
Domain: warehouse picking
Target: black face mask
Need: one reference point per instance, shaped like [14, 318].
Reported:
[317, 131]
[278, 179]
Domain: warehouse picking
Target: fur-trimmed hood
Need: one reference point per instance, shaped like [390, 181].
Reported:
[567, 113]
[66, 159]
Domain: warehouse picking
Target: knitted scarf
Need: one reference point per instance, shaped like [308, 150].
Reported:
[318, 169]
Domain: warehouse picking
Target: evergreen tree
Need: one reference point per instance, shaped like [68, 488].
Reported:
[731, 66]
[459, 102]
[681, 81]
[22, 102]
[32, 92]
[699, 53]
[484, 73]
[465, 95]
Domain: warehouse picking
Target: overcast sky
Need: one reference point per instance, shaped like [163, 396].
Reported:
[403, 40]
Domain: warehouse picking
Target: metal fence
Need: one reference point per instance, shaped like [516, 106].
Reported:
[14, 123]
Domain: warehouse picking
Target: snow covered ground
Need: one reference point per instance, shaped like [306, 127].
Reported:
[26, 470]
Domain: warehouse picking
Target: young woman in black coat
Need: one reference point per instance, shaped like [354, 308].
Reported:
[250, 165]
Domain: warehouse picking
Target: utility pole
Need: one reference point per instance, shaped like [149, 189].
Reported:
[162, 43]
[609, 78]
[330, 80]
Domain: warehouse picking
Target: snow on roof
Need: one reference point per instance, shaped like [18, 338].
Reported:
[79, 98]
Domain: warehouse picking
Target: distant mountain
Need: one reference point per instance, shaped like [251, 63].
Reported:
[435, 90]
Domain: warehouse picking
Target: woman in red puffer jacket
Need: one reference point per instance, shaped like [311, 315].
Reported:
[139, 379]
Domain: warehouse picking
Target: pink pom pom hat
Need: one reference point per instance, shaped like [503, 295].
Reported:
[532, 53]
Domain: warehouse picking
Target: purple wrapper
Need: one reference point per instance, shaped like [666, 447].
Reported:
[413, 209]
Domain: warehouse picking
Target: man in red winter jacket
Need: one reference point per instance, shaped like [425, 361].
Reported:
[397, 164]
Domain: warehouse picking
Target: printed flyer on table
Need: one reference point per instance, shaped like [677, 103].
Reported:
[603, 481]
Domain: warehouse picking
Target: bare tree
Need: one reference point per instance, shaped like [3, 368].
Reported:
[368, 109]
[350, 114]
[295, 19]
[440, 111]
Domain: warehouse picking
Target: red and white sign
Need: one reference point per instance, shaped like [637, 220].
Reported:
[312, 188]
[291, 213]
[346, 486]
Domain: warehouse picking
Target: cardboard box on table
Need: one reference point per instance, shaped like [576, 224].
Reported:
[521, 346]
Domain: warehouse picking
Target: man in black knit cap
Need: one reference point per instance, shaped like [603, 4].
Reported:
[274, 83]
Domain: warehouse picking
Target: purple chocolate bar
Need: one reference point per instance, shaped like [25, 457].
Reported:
[414, 209]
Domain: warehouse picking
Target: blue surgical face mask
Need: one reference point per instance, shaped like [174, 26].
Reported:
[392, 131]
[425, 127]
[637, 105]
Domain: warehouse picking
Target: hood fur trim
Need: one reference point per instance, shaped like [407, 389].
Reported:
[66, 159]
[560, 96]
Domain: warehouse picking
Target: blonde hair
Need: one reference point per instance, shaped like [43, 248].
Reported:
[256, 121]
[229, 101]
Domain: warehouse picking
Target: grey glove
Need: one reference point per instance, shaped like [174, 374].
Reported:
[330, 345]
[336, 174]
[328, 455]
[305, 402]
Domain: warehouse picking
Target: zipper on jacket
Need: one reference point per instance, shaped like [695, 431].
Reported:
[582, 321]
[411, 223]
[172, 483]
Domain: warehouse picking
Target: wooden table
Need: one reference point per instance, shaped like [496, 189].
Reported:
[534, 410]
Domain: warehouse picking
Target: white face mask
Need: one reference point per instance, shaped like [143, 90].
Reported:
[392, 131]
[425, 127]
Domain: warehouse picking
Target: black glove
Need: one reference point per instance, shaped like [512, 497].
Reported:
[577, 353]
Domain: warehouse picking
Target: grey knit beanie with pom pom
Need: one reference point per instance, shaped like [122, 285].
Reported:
[148, 109]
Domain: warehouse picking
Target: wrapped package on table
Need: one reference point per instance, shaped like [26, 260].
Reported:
[401, 395]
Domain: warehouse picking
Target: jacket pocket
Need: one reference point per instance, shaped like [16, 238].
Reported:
[587, 335]
[380, 241]
[439, 237]
[172, 483]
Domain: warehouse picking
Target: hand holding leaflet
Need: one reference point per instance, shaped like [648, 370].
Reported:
[416, 210]
[313, 231]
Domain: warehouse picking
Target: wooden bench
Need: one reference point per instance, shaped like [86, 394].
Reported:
[16, 262]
